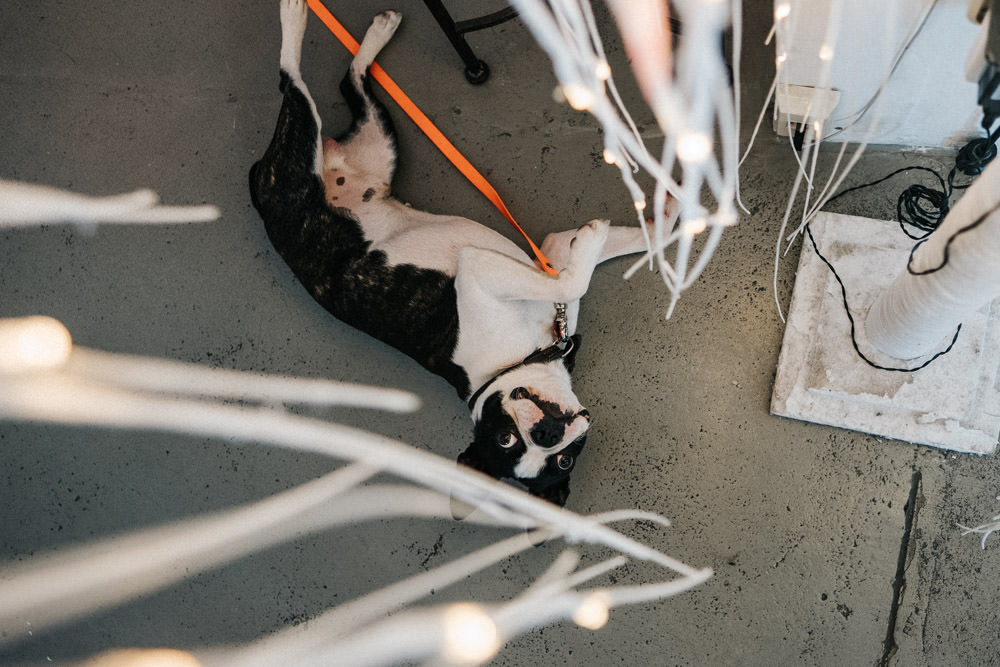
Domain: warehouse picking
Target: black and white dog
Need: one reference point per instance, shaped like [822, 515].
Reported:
[459, 298]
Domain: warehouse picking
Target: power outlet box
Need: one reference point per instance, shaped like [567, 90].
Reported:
[799, 105]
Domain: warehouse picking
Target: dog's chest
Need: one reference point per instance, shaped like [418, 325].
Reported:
[426, 240]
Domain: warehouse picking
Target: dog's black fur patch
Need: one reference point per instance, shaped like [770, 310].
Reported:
[411, 308]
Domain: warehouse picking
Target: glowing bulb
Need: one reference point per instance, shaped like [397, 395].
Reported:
[695, 227]
[470, 635]
[693, 146]
[726, 217]
[826, 52]
[640, 204]
[782, 57]
[579, 96]
[134, 657]
[603, 70]
[33, 344]
[782, 11]
[609, 157]
[593, 612]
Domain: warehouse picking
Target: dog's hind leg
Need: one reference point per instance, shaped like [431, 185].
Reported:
[369, 145]
[294, 14]
[379, 33]
[293, 163]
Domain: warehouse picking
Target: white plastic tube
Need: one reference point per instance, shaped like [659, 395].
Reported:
[925, 304]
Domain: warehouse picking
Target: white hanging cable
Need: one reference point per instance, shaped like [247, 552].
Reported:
[688, 108]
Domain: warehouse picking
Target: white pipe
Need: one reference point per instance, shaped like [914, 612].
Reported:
[925, 303]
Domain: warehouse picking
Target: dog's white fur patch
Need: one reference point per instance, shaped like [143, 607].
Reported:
[532, 462]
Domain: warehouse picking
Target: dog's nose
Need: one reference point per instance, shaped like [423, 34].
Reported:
[547, 432]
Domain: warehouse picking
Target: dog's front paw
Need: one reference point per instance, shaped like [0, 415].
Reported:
[584, 253]
[599, 227]
[590, 236]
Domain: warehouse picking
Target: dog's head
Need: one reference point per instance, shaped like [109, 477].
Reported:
[530, 427]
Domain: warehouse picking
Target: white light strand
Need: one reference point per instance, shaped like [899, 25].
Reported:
[52, 381]
[28, 204]
[785, 27]
[79, 581]
[985, 529]
[690, 111]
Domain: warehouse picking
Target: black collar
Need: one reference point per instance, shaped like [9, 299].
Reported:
[557, 350]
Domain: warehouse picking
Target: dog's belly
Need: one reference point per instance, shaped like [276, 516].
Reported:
[427, 240]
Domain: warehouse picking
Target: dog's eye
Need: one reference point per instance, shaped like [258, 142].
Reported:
[519, 393]
[506, 439]
[564, 461]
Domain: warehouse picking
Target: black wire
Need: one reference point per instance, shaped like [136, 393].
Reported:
[919, 206]
[854, 338]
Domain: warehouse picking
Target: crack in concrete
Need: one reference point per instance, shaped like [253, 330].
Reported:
[913, 504]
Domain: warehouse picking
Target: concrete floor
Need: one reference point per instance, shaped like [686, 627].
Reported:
[803, 524]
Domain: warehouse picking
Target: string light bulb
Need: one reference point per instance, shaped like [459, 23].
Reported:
[693, 147]
[593, 612]
[603, 70]
[578, 96]
[782, 11]
[609, 157]
[726, 217]
[35, 343]
[470, 635]
[695, 226]
[640, 204]
[136, 657]
[826, 52]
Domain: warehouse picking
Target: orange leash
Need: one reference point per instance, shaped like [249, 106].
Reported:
[428, 128]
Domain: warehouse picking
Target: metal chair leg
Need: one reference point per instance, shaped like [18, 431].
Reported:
[476, 71]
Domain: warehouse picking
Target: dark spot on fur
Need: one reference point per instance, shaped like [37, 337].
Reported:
[341, 180]
[369, 193]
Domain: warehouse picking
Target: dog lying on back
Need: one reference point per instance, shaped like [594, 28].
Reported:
[459, 298]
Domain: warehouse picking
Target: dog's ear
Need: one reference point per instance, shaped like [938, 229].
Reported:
[459, 508]
[555, 494]
[471, 459]
[570, 359]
